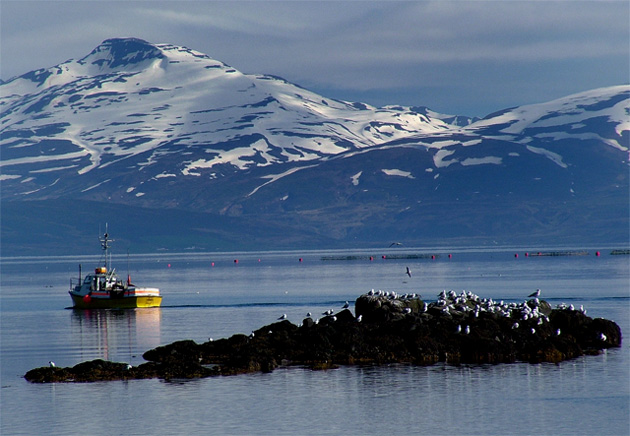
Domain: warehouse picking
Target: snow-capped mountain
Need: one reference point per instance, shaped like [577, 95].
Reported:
[136, 103]
[160, 126]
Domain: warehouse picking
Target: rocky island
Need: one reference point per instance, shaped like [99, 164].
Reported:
[388, 328]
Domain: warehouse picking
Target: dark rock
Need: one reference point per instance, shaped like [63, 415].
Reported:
[455, 329]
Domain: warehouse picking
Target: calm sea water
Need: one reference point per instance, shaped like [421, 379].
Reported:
[589, 395]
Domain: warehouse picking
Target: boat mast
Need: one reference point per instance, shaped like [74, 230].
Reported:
[105, 241]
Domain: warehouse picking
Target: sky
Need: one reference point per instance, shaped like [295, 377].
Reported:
[455, 57]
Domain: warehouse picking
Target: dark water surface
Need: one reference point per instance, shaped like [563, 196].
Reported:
[589, 395]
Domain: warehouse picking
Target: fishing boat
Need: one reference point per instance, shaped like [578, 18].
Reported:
[103, 289]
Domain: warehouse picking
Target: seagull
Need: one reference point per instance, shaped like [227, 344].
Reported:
[467, 331]
[129, 367]
[408, 272]
[602, 337]
[359, 318]
[395, 243]
[51, 364]
[309, 314]
[558, 332]
[535, 294]
[407, 310]
[284, 316]
[345, 306]
[459, 329]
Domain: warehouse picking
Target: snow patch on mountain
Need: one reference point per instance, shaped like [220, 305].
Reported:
[274, 177]
[440, 155]
[554, 157]
[398, 173]
[495, 160]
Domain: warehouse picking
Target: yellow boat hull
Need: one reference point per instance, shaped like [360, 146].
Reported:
[116, 303]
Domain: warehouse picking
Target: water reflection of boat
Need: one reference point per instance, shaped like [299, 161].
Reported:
[103, 289]
[115, 333]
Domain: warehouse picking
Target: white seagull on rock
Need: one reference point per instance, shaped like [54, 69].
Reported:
[535, 294]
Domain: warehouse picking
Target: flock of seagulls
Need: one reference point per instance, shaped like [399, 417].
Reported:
[393, 295]
[450, 302]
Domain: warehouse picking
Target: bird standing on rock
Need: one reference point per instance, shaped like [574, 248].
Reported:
[284, 316]
[535, 294]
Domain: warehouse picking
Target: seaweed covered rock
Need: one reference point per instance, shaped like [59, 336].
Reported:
[388, 328]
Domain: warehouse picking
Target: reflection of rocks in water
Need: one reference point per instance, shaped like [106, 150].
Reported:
[387, 329]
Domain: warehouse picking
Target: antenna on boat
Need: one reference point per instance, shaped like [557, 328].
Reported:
[128, 273]
[105, 245]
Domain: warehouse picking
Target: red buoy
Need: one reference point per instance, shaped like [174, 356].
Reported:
[384, 256]
[433, 256]
[169, 265]
[597, 253]
[450, 255]
[300, 259]
[212, 263]
[526, 254]
[371, 258]
[87, 299]
[515, 254]
[235, 260]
